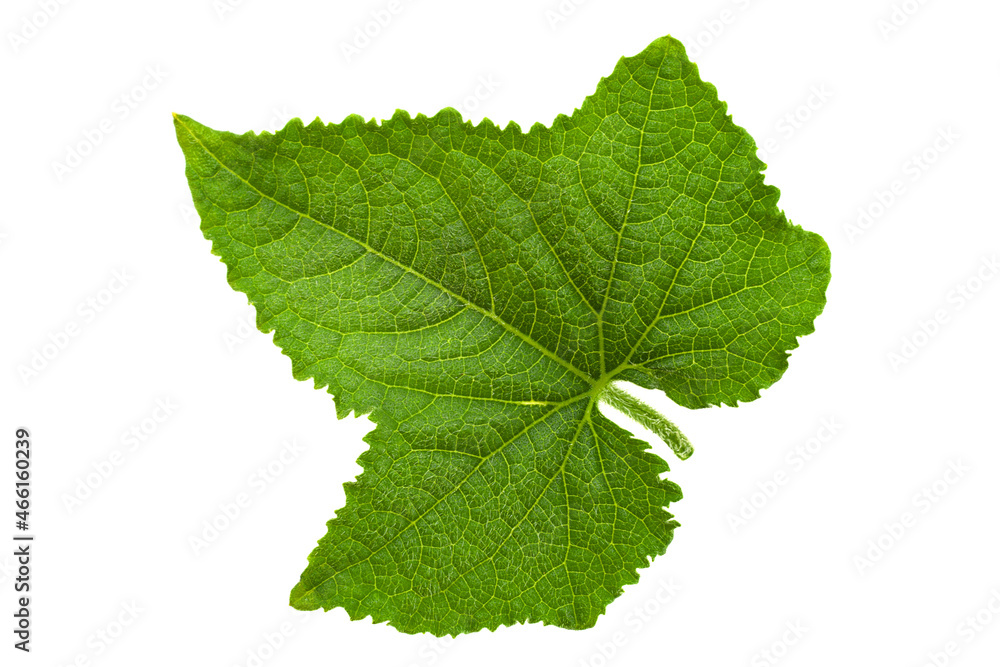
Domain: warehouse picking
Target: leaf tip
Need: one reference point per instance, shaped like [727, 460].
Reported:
[302, 599]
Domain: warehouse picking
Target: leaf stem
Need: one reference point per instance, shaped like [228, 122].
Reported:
[649, 418]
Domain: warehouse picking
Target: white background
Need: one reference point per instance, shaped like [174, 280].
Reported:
[176, 332]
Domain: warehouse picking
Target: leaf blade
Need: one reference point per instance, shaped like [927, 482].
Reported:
[475, 289]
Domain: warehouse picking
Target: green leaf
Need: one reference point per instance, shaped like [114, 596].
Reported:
[476, 290]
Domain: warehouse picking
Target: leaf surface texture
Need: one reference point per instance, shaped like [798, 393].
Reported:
[475, 289]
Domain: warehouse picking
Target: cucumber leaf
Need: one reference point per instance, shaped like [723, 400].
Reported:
[477, 291]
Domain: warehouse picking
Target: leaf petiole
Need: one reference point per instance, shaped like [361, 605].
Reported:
[648, 417]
